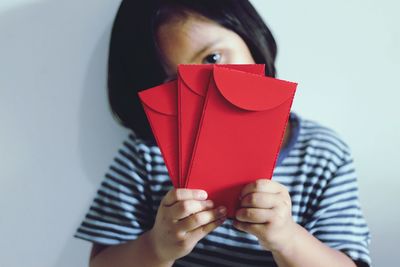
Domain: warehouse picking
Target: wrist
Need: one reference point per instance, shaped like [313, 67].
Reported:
[289, 248]
[151, 244]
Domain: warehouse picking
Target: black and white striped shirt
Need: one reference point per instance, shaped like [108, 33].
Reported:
[316, 166]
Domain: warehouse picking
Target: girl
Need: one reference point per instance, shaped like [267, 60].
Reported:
[308, 214]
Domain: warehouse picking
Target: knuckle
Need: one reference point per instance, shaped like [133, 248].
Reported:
[257, 184]
[177, 194]
[203, 230]
[185, 206]
[172, 194]
[260, 184]
[180, 236]
[197, 219]
[248, 213]
[253, 199]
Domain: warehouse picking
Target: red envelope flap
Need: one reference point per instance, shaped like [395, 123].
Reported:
[161, 98]
[194, 74]
[252, 92]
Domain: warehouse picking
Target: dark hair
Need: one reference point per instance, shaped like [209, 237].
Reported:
[134, 63]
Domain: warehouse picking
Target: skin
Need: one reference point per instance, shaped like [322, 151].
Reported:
[185, 216]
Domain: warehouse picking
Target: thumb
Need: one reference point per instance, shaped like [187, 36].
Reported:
[204, 230]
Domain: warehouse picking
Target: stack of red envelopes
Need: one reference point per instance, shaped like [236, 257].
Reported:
[219, 127]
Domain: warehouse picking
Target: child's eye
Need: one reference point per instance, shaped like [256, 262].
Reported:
[212, 58]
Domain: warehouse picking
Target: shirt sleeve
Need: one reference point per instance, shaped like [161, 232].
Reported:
[121, 209]
[338, 220]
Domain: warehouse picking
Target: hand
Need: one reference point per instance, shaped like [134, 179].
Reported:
[266, 212]
[183, 218]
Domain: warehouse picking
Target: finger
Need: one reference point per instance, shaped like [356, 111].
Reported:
[262, 200]
[262, 185]
[250, 228]
[201, 218]
[204, 230]
[254, 215]
[182, 209]
[180, 194]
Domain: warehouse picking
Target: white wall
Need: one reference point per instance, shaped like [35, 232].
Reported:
[57, 136]
[345, 56]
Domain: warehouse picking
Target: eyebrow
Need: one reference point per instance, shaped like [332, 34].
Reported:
[204, 48]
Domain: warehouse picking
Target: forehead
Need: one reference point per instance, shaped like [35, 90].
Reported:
[181, 37]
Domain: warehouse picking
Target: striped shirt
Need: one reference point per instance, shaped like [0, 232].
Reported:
[315, 165]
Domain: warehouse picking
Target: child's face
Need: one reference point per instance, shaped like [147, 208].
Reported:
[197, 40]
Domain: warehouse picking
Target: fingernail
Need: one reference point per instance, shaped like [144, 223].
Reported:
[203, 194]
[221, 210]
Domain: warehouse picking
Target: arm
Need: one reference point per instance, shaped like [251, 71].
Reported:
[130, 254]
[183, 218]
[307, 251]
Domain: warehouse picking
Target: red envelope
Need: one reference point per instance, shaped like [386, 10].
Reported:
[240, 133]
[193, 83]
[160, 106]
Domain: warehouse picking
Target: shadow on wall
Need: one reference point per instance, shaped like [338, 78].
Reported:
[97, 139]
[33, 30]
